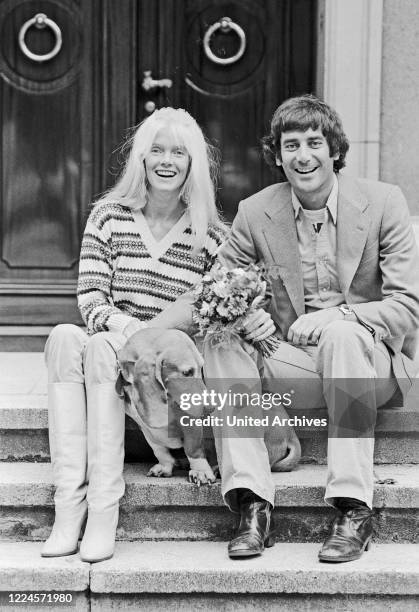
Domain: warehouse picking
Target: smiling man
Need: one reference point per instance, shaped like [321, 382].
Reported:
[343, 266]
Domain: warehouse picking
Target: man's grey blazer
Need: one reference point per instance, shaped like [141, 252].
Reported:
[377, 259]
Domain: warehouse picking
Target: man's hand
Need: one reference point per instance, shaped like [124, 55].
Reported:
[308, 327]
[258, 325]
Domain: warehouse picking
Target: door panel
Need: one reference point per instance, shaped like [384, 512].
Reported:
[41, 179]
[64, 118]
[46, 156]
[232, 102]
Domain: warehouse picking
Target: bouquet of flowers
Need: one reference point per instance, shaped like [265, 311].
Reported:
[222, 301]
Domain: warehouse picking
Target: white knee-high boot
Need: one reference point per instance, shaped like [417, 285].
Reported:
[106, 428]
[68, 447]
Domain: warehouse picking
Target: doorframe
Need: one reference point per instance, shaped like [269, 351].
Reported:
[349, 75]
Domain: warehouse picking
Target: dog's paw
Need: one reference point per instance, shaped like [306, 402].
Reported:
[202, 476]
[161, 471]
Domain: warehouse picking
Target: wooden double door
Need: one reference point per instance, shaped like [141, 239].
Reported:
[75, 75]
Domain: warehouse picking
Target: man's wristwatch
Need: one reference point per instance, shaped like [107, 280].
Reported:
[346, 310]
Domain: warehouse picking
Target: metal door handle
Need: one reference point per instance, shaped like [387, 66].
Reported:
[150, 83]
[40, 21]
[225, 25]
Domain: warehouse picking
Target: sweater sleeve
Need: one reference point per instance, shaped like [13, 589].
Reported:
[95, 278]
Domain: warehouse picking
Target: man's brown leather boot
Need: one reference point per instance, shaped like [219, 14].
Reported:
[350, 533]
[256, 530]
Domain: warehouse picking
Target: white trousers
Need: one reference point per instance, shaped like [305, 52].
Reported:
[73, 356]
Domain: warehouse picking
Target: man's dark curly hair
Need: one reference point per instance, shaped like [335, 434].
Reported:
[302, 113]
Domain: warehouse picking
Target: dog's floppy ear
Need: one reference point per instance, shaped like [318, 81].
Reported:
[127, 356]
[151, 394]
[158, 368]
[120, 384]
[125, 361]
[126, 365]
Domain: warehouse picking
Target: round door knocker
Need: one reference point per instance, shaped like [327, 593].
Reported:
[225, 25]
[40, 21]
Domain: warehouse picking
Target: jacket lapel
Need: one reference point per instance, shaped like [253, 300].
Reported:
[281, 236]
[352, 230]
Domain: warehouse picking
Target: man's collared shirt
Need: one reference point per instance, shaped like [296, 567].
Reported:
[316, 231]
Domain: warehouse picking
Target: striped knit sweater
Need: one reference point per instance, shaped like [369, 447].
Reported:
[126, 275]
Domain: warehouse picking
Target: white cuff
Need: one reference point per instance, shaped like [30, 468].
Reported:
[118, 323]
[134, 326]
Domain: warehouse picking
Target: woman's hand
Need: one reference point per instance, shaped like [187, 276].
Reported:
[258, 326]
[134, 326]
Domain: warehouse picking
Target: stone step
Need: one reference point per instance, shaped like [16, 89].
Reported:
[24, 433]
[173, 509]
[27, 338]
[199, 576]
[23, 569]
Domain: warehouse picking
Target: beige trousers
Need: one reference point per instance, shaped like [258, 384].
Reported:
[346, 355]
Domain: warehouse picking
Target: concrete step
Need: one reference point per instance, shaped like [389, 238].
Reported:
[24, 433]
[199, 576]
[24, 430]
[23, 569]
[173, 509]
[27, 338]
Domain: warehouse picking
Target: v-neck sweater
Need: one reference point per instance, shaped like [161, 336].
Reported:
[125, 274]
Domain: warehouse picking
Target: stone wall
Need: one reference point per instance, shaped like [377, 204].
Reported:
[399, 153]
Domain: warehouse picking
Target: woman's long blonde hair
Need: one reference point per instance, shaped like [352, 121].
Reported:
[198, 190]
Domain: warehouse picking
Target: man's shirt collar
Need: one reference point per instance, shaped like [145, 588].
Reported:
[331, 204]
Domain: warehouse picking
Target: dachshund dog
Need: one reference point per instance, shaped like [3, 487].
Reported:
[157, 366]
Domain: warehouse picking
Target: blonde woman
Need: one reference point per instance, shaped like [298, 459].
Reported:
[147, 241]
